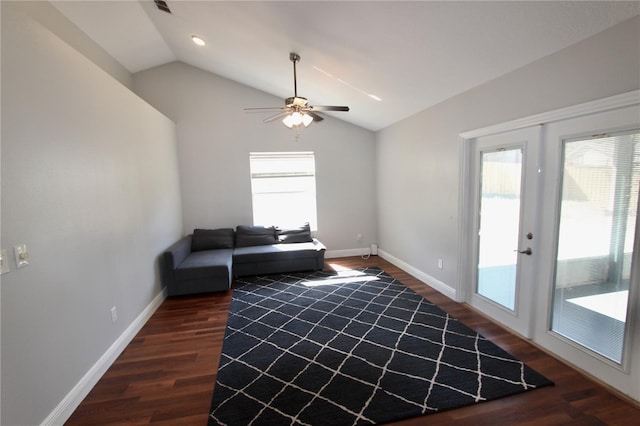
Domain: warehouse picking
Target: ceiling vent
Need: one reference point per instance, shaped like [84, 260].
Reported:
[162, 5]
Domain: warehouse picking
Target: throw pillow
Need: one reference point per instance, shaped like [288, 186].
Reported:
[247, 236]
[296, 235]
[211, 239]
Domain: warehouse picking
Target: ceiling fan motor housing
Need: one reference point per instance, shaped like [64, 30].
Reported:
[296, 101]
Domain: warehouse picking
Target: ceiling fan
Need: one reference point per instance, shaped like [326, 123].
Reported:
[297, 110]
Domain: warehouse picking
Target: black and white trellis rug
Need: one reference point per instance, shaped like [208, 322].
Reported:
[354, 347]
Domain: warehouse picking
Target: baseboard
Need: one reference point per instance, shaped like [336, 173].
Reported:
[422, 276]
[69, 403]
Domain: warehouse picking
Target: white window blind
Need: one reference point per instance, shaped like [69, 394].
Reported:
[283, 188]
[598, 216]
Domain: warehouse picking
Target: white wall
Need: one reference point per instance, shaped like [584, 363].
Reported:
[90, 184]
[418, 159]
[216, 136]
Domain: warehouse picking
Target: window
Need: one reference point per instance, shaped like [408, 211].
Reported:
[283, 188]
[598, 213]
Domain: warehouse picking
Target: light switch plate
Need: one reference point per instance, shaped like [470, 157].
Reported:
[22, 255]
[4, 261]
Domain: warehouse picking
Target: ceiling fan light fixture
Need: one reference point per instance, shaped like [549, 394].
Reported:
[288, 121]
[306, 119]
[296, 118]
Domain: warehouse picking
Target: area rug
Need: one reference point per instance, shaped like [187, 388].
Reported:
[350, 348]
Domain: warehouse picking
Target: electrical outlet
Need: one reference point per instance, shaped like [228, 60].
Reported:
[114, 315]
[359, 237]
[4, 262]
[439, 263]
[22, 255]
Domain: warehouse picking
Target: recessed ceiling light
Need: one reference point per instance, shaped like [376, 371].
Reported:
[198, 40]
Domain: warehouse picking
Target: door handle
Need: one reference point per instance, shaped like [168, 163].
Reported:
[527, 251]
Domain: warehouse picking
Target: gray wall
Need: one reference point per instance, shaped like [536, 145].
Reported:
[216, 136]
[418, 167]
[90, 184]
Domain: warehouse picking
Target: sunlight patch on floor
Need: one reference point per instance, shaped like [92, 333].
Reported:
[345, 276]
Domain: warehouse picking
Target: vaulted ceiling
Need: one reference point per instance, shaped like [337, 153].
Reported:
[410, 55]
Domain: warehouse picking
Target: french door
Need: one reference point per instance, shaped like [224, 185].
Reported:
[504, 225]
[554, 237]
[590, 270]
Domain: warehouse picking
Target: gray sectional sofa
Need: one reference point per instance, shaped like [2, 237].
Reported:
[208, 259]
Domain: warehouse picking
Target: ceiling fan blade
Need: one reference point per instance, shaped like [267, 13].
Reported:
[330, 108]
[275, 117]
[316, 117]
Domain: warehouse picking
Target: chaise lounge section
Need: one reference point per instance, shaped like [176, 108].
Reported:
[207, 260]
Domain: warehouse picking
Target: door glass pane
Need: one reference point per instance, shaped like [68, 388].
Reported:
[501, 174]
[595, 242]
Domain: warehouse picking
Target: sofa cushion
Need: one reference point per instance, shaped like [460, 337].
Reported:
[247, 236]
[295, 235]
[211, 239]
[203, 264]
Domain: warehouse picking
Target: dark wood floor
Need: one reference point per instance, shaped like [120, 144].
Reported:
[166, 374]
